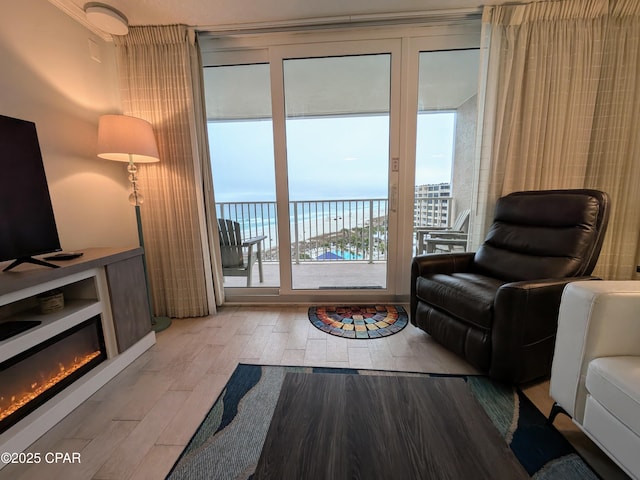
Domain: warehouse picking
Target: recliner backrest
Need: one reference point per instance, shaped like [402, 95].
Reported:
[544, 234]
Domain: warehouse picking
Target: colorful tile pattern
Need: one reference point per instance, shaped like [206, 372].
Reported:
[359, 321]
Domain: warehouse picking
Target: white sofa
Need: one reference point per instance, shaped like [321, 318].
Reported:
[595, 376]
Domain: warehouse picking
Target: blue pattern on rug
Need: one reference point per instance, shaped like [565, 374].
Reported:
[534, 443]
[237, 387]
[228, 443]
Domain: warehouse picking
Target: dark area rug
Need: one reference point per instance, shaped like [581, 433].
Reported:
[228, 443]
[359, 321]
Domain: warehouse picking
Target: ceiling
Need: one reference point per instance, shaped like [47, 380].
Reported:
[218, 14]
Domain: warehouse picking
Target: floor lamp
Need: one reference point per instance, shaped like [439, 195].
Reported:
[130, 139]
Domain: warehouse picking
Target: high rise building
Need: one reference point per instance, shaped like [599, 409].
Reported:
[432, 205]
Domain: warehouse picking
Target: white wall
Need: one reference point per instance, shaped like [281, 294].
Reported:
[463, 163]
[49, 77]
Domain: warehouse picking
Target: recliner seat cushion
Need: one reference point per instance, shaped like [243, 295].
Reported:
[614, 382]
[467, 296]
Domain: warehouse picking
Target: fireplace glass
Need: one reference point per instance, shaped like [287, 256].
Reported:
[36, 375]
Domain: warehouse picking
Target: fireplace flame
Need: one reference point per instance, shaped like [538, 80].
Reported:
[21, 400]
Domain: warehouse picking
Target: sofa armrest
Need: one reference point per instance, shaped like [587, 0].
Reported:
[525, 323]
[597, 319]
[446, 263]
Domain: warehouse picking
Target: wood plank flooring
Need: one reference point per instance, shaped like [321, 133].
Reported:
[137, 425]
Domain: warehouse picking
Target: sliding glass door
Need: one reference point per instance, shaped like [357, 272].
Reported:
[240, 128]
[337, 143]
[322, 145]
[446, 124]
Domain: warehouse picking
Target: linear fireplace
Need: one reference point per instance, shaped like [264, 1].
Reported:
[36, 375]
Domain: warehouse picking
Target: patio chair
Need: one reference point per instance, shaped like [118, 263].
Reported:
[432, 239]
[234, 261]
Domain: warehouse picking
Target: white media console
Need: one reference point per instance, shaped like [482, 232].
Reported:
[105, 282]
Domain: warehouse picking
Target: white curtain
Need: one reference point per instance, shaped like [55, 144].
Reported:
[561, 110]
[160, 83]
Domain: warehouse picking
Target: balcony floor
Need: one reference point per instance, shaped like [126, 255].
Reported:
[319, 275]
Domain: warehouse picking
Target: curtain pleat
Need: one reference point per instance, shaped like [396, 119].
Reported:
[564, 106]
[155, 71]
[206, 181]
[614, 156]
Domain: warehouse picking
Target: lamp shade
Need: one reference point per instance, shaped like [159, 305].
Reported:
[123, 138]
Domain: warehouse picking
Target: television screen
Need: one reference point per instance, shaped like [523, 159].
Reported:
[27, 223]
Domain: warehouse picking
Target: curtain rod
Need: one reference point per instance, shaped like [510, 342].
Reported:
[341, 21]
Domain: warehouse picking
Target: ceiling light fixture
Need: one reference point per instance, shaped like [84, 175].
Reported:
[106, 18]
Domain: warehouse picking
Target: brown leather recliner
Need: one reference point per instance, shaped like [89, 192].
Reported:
[498, 307]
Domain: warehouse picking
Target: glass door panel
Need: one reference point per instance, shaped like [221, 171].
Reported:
[337, 142]
[240, 129]
[445, 146]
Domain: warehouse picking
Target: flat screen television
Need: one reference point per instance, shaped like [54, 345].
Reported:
[27, 223]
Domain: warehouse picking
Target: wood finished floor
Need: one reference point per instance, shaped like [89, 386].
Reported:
[137, 425]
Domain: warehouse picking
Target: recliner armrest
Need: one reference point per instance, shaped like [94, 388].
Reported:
[525, 316]
[597, 319]
[446, 263]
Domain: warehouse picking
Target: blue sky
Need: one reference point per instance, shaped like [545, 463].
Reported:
[328, 158]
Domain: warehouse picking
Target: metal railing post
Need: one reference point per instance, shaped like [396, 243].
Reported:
[295, 228]
[370, 231]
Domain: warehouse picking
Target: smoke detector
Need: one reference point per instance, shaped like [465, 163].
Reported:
[106, 18]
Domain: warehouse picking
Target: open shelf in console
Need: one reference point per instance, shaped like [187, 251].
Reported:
[81, 301]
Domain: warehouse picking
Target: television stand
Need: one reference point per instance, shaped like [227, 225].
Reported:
[105, 282]
[35, 261]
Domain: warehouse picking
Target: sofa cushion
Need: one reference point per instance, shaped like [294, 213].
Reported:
[467, 296]
[614, 382]
[613, 437]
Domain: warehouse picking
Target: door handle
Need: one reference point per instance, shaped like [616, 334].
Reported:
[393, 200]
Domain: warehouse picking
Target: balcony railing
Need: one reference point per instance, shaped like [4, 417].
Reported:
[323, 230]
